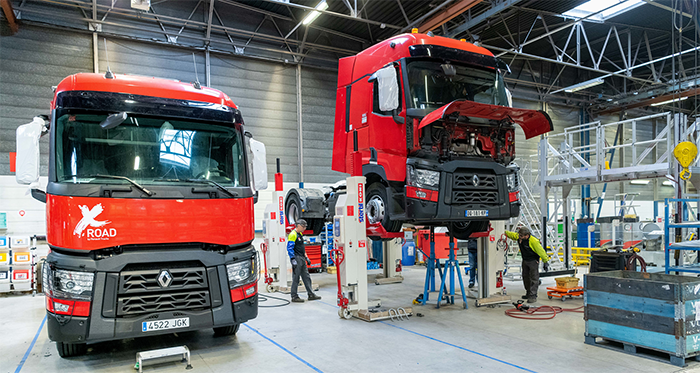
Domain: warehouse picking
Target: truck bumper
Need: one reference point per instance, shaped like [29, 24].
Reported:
[108, 319]
[74, 329]
[458, 199]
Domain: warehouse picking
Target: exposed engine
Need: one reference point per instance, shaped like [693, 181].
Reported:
[487, 139]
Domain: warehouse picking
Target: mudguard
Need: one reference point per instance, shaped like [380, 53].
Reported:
[312, 202]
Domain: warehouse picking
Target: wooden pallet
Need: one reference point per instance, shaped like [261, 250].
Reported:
[637, 350]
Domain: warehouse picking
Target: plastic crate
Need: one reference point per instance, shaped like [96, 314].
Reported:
[567, 282]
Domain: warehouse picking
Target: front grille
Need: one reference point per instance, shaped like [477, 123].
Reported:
[184, 300]
[139, 291]
[474, 197]
[465, 180]
[147, 280]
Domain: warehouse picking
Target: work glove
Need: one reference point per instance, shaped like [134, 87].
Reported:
[308, 261]
[294, 262]
[545, 266]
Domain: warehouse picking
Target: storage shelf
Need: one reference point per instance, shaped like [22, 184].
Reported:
[684, 245]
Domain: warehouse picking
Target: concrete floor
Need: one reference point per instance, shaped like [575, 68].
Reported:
[310, 337]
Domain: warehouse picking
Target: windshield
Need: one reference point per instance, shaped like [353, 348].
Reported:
[147, 150]
[431, 88]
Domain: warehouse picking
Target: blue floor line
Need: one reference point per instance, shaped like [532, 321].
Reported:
[459, 347]
[447, 343]
[26, 354]
[282, 347]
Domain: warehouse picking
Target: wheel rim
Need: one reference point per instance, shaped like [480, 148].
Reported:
[375, 210]
[293, 213]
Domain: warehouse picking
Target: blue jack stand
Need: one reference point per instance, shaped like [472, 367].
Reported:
[452, 266]
[431, 264]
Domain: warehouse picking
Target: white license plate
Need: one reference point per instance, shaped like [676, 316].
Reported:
[149, 326]
[476, 213]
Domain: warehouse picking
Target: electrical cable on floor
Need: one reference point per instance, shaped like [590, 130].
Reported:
[265, 298]
[540, 313]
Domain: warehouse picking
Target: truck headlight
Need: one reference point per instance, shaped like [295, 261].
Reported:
[242, 273]
[65, 284]
[425, 179]
[512, 182]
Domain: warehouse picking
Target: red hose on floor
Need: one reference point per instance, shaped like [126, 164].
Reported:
[541, 312]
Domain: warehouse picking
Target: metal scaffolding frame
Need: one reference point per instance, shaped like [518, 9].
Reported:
[564, 163]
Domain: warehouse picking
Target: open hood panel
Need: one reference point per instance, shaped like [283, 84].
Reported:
[533, 122]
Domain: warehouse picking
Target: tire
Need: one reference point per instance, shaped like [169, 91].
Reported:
[71, 349]
[316, 225]
[377, 208]
[463, 230]
[226, 330]
[293, 211]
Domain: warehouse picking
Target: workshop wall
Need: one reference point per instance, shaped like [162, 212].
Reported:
[32, 61]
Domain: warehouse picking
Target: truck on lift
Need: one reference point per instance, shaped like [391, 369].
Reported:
[149, 209]
[433, 122]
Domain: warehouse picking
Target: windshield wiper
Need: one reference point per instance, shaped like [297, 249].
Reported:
[204, 181]
[137, 185]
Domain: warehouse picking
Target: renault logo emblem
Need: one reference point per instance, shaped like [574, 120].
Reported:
[475, 180]
[165, 278]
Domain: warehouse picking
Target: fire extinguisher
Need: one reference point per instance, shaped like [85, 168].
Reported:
[499, 279]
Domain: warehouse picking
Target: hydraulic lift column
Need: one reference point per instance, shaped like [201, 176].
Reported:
[278, 266]
[349, 227]
[490, 267]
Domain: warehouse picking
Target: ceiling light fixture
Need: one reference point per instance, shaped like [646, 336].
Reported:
[639, 182]
[669, 101]
[584, 85]
[314, 14]
[668, 183]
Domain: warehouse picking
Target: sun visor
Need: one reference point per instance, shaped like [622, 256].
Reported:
[533, 122]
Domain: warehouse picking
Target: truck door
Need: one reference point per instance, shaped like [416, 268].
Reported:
[387, 136]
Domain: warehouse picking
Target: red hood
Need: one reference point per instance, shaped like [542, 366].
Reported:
[533, 122]
[89, 223]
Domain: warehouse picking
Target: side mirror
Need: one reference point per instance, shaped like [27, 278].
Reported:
[113, 120]
[28, 156]
[257, 164]
[388, 87]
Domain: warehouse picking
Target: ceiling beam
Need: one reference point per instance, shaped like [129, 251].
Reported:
[676, 95]
[425, 16]
[9, 15]
[495, 9]
[340, 15]
[447, 15]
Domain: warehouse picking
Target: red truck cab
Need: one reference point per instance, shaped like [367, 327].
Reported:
[149, 210]
[431, 118]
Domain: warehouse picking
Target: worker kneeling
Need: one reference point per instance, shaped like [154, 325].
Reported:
[531, 251]
[297, 255]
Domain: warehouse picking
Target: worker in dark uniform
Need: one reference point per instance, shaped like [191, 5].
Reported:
[471, 247]
[297, 255]
[531, 251]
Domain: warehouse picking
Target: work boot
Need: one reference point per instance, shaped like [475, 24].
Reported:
[471, 285]
[532, 299]
[525, 297]
[314, 297]
[297, 300]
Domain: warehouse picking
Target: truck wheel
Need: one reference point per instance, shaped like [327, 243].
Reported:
[71, 349]
[226, 330]
[377, 208]
[463, 230]
[293, 211]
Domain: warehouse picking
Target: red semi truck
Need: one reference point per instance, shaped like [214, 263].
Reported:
[149, 209]
[432, 121]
